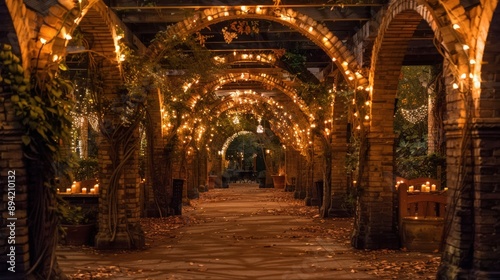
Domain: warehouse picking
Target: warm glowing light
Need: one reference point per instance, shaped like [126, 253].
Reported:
[334, 59]
[472, 61]
[310, 29]
[210, 18]
[244, 8]
[456, 26]
[455, 85]
[465, 47]
[367, 117]
[43, 41]
[345, 63]
[68, 37]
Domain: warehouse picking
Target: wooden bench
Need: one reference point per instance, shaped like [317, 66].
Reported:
[421, 216]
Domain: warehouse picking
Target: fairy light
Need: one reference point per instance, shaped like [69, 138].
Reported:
[415, 115]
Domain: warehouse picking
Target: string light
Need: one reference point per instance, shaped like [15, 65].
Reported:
[415, 115]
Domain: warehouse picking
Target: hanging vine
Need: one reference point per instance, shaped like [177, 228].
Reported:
[43, 108]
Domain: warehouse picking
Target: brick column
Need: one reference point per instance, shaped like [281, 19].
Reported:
[12, 164]
[300, 187]
[127, 199]
[374, 213]
[339, 152]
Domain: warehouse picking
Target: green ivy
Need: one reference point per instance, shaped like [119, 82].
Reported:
[43, 108]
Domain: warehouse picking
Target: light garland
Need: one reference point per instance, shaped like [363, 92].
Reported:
[415, 115]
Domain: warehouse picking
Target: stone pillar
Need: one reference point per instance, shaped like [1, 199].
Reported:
[340, 139]
[471, 249]
[13, 183]
[301, 179]
[373, 227]
[123, 200]
[339, 180]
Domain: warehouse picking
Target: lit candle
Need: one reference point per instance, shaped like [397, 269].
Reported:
[84, 190]
[68, 190]
[427, 189]
[73, 188]
[428, 183]
[92, 191]
[433, 187]
[423, 188]
[96, 188]
[58, 191]
[445, 189]
[410, 189]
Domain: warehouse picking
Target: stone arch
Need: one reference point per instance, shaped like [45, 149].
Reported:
[230, 139]
[314, 31]
[291, 129]
[259, 57]
[396, 29]
[263, 78]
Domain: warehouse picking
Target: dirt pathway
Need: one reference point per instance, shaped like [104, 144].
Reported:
[247, 233]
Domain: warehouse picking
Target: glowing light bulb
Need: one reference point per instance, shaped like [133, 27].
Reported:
[43, 41]
[456, 26]
[465, 47]
[455, 85]
[472, 61]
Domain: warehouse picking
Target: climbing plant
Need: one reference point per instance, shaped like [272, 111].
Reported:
[43, 109]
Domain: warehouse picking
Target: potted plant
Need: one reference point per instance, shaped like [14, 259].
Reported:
[279, 179]
[77, 224]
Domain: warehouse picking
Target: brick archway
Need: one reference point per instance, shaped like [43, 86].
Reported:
[289, 128]
[314, 31]
[374, 219]
[263, 78]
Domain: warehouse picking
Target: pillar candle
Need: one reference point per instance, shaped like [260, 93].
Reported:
[84, 190]
[92, 191]
[68, 190]
[433, 188]
[423, 188]
[96, 188]
[410, 189]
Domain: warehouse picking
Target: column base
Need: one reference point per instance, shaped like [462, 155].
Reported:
[339, 213]
[311, 201]
[388, 240]
[123, 241]
[299, 194]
